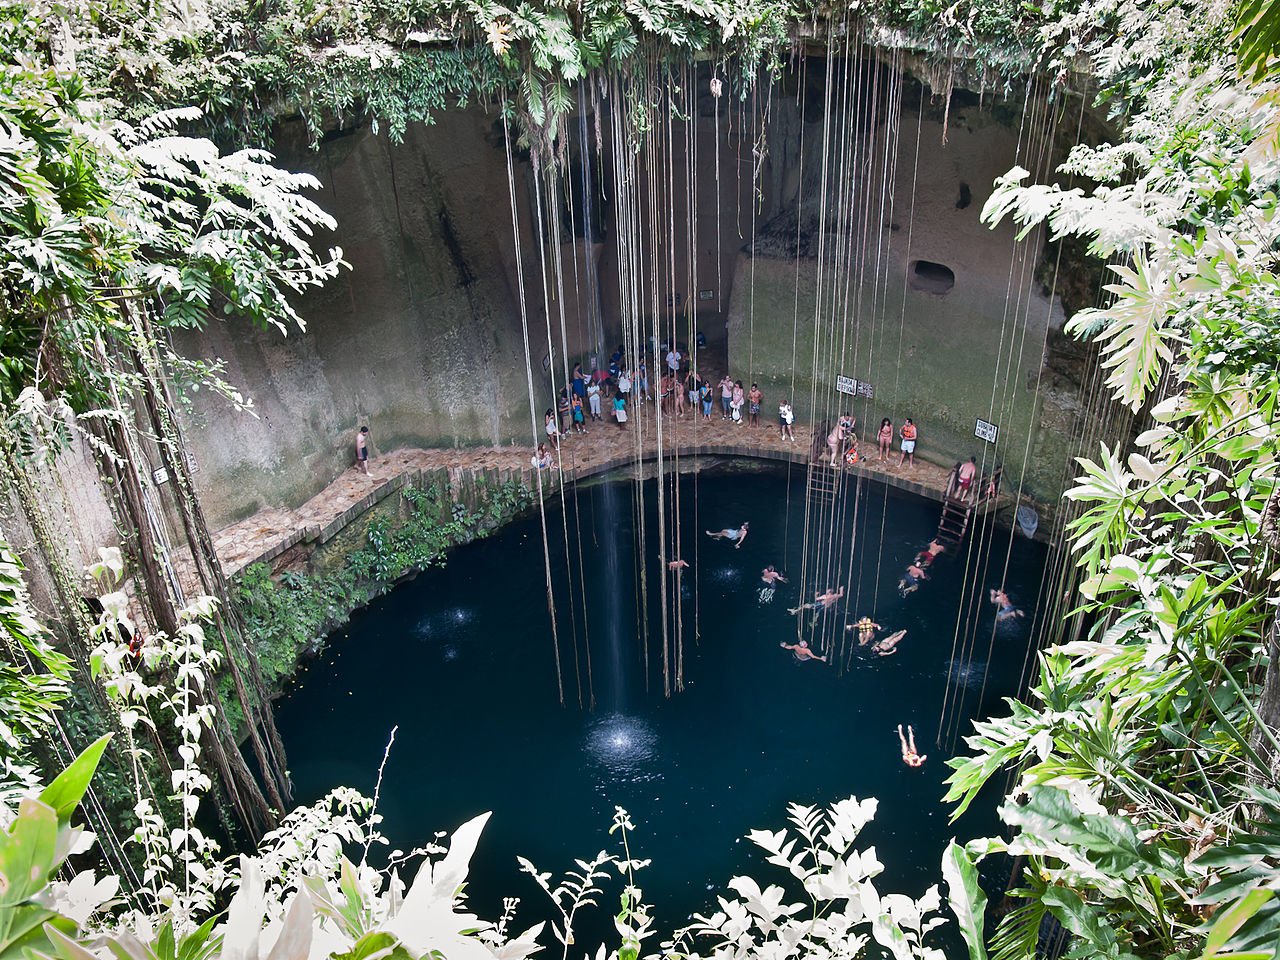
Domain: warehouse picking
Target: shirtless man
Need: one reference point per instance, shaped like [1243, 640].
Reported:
[771, 576]
[362, 450]
[737, 536]
[929, 553]
[802, 651]
[677, 565]
[909, 755]
[964, 479]
[911, 579]
[866, 628]
[1005, 610]
[821, 601]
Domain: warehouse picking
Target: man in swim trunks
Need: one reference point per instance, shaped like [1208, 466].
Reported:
[737, 536]
[362, 450]
[909, 754]
[908, 435]
[677, 565]
[911, 579]
[802, 651]
[821, 601]
[866, 628]
[1005, 610]
[964, 478]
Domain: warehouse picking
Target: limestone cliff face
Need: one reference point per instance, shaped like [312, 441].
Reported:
[897, 282]
[423, 339]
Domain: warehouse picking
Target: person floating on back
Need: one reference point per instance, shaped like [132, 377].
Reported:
[802, 651]
[909, 754]
[866, 628]
[736, 536]
[889, 645]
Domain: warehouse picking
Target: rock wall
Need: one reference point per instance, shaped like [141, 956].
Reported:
[423, 339]
[898, 283]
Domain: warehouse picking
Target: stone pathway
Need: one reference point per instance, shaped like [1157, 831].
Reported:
[270, 532]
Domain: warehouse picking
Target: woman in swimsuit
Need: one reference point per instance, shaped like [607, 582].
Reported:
[737, 536]
[886, 438]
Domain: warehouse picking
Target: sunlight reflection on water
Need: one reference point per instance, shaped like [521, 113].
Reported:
[623, 749]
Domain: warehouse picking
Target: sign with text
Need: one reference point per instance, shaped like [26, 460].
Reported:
[160, 475]
[855, 387]
[987, 431]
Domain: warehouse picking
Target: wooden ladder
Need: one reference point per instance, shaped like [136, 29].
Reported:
[954, 523]
[824, 483]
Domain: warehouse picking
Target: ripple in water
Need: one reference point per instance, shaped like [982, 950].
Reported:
[623, 749]
[968, 674]
[726, 574]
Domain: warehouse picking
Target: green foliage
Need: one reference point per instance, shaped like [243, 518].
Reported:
[33, 676]
[32, 850]
[1146, 776]
[288, 615]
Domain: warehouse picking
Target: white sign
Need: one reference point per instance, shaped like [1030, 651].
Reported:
[706, 294]
[846, 385]
[987, 431]
[160, 475]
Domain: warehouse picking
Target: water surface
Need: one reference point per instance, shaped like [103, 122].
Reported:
[461, 661]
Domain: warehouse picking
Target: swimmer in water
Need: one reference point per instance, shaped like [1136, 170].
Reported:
[889, 645]
[821, 601]
[909, 755]
[771, 576]
[737, 536]
[929, 553]
[677, 565]
[1005, 610]
[866, 628]
[802, 651]
[910, 581]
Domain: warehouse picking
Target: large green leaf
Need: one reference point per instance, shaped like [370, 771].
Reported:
[966, 898]
[1228, 922]
[27, 851]
[68, 788]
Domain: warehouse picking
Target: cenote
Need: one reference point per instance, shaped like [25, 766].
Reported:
[460, 660]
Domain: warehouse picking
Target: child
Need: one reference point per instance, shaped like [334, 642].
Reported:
[620, 410]
[579, 420]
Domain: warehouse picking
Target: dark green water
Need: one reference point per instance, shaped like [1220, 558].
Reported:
[460, 659]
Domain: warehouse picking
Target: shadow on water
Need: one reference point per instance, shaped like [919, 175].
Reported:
[461, 659]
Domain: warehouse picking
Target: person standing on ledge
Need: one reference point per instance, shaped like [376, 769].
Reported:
[908, 434]
[755, 398]
[362, 450]
[964, 478]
